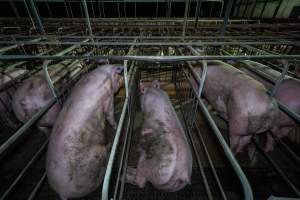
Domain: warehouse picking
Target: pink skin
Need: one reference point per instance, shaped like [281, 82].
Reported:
[287, 95]
[34, 94]
[165, 157]
[7, 80]
[240, 100]
[77, 150]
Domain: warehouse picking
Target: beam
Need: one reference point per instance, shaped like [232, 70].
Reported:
[226, 17]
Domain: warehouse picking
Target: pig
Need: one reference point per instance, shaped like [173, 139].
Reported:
[287, 94]
[34, 94]
[165, 156]
[77, 151]
[8, 81]
[240, 100]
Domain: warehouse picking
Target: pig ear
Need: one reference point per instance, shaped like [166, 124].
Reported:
[119, 69]
[142, 88]
[156, 84]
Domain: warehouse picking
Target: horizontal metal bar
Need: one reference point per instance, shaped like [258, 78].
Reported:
[15, 45]
[162, 43]
[147, 58]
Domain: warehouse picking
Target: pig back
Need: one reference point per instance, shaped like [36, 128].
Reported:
[77, 155]
[168, 160]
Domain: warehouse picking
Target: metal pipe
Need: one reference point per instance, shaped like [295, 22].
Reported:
[281, 77]
[37, 17]
[263, 10]
[277, 169]
[7, 48]
[277, 8]
[226, 17]
[106, 181]
[87, 19]
[248, 195]
[146, 58]
[187, 3]
[26, 168]
[38, 185]
[12, 4]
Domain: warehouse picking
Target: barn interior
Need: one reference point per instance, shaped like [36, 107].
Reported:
[56, 43]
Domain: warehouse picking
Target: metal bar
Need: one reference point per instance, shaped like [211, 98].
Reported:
[185, 16]
[65, 4]
[146, 58]
[198, 8]
[36, 188]
[277, 169]
[48, 79]
[37, 17]
[248, 195]
[12, 4]
[281, 78]
[238, 8]
[246, 6]
[29, 164]
[277, 8]
[253, 8]
[87, 19]
[226, 17]
[263, 10]
[105, 187]
[7, 48]
[154, 43]
[49, 10]
[29, 14]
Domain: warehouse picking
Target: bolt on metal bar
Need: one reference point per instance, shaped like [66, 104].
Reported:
[26, 168]
[37, 17]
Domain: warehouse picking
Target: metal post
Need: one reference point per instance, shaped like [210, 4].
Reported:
[185, 16]
[238, 8]
[37, 17]
[86, 12]
[226, 17]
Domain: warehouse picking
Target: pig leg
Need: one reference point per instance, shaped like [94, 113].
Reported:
[269, 146]
[135, 178]
[109, 112]
[244, 141]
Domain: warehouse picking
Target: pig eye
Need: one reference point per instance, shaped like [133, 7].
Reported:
[119, 69]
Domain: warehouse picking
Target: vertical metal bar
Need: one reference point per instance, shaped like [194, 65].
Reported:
[226, 17]
[49, 11]
[253, 9]
[276, 10]
[35, 13]
[221, 10]
[263, 10]
[103, 9]
[239, 7]
[185, 17]
[93, 11]
[246, 6]
[12, 4]
[47, 76]
[124, 6]
[70, 7]
[281, 77]
[211, 8]
[86, 12]
[65, 4]
[99, 9]
[198, 9]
